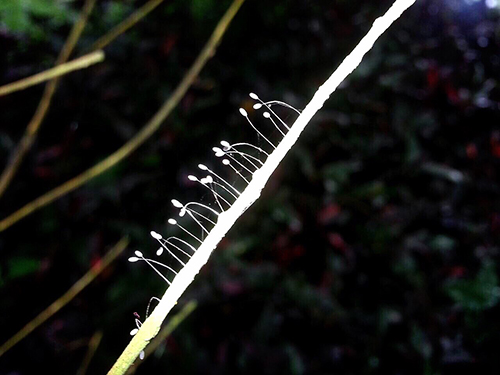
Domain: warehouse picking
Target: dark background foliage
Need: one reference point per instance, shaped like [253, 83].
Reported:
[374, 248]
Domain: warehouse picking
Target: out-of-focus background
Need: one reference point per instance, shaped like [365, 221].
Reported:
[375, 246]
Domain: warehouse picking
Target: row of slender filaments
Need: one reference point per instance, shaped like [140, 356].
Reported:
[241, 159]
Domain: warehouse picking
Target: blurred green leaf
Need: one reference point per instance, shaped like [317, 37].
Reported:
[479, 293]
[116, 11]
[341, 172]
[443, 243]
[407, 268]
[296, 363]
[22, 266]
[420, 341]
[20, 16]
[201, 9]
[151, 161]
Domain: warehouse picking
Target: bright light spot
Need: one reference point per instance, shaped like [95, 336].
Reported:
[482, 41]
[482, 101]
[492, 3]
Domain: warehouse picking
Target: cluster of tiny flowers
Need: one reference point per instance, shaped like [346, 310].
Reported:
[243, 160]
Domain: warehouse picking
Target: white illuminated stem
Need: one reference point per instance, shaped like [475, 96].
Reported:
[252, 192]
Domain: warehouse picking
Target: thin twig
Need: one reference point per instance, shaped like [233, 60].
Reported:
[28, 138]
[126, 24]
[174, 322]
[31, 131]
[86, 279]
[94, 342]
[252, 192]
[147, 131]
[57, 71]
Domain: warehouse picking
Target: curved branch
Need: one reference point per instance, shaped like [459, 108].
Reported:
[34, 125]
[57, 71]
[147, 131]
[126, 24]
[31, 131]
[62, 301]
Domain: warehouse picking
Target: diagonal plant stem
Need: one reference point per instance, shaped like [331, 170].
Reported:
[34, 125]
[105, 40]
[57, 71]
[62, 301]
[147, 131]
[126, 24]
[94, 342]
[252, 192]
[174, 322]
